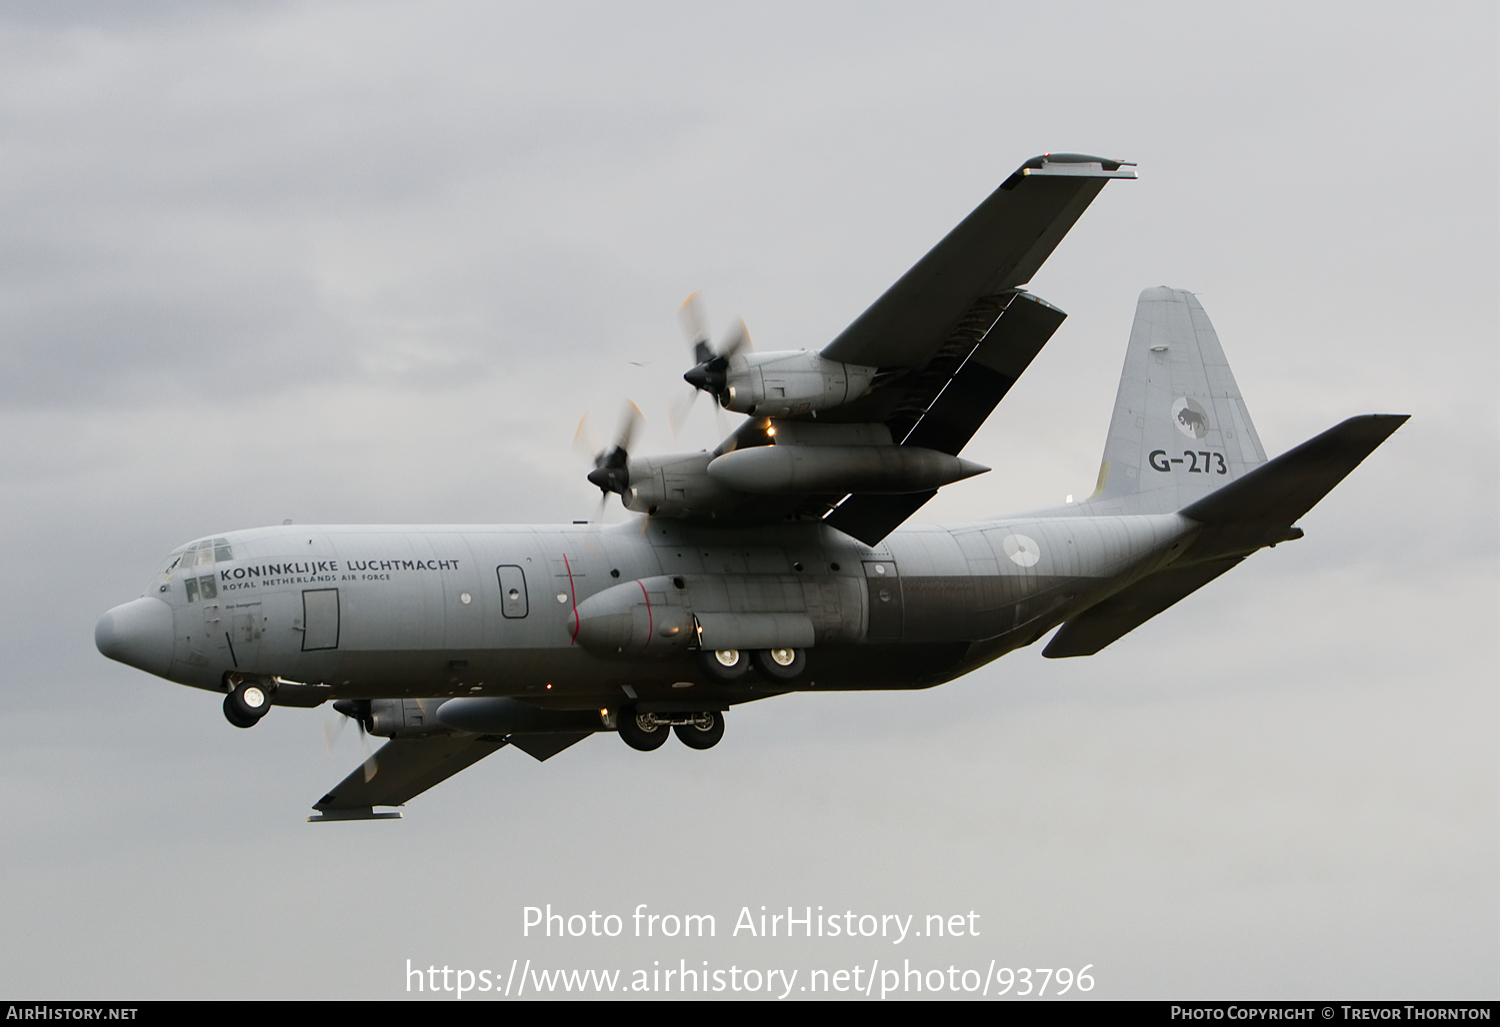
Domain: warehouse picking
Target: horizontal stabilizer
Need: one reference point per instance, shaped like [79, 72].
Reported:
[1254, 510]
[1131, 607]
[1257, 508]
[405, 767]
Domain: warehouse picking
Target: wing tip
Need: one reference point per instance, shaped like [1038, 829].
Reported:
[356, 813]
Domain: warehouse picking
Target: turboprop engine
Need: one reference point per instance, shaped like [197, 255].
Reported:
[791, 458]
[783, 384]
[780, 384]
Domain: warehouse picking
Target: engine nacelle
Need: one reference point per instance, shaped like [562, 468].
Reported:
[675, 486]
[405, 718]
[791, 382]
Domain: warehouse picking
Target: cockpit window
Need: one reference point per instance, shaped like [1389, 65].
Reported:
[184, 562]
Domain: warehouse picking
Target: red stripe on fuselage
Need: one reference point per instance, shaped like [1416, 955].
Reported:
[573, 594]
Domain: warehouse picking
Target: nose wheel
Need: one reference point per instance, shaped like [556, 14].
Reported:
[246, 703]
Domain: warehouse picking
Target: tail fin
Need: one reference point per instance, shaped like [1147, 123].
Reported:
[1180, 428]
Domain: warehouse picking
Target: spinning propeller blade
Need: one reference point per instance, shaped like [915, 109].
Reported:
[611, 471]
[711, 368]
[357, 710]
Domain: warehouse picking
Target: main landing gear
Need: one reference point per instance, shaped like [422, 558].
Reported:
[703, 729]
[246, 702]
[647, 731]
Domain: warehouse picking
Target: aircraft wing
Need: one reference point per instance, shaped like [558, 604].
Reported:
[947, 340]
[406, 767]
[403, 768]
[941, 405]
[995, 249]
[956, 331]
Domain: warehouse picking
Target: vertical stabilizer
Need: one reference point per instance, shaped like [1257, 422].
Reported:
[1180, 428]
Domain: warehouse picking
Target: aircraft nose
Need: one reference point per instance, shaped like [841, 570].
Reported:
[138, 633]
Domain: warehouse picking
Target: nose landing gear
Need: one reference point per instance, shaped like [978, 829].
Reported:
[246, 703]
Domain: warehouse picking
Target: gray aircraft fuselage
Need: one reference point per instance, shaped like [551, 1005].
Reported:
[387, 612]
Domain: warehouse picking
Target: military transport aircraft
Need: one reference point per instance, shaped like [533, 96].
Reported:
[772, 563]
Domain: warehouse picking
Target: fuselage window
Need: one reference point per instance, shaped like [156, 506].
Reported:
[190, 589]
[207, 587]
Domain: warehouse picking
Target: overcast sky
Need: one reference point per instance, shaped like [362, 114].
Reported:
[371, 262]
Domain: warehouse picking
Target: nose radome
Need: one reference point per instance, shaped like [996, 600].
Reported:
[138, 633]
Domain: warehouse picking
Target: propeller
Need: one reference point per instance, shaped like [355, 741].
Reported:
[611, 471]
[357, 710]
[710, 371]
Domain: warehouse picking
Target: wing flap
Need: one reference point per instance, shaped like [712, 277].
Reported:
[872, 518]
[545, 746]
[983, 381]
[951, 414]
